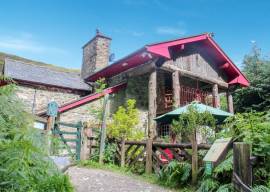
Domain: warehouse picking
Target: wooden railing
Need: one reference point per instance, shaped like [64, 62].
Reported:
[155, 155]
[187, 95]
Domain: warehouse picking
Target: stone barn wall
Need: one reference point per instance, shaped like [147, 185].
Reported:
[38, 98]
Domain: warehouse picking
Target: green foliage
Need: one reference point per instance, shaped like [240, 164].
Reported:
[257, 95]
[100, 85]
[221, 177]
[192, 120]
[208, 185]
[223, 102]
[175, 174]
[23, 164]
[124, 123]
[110, 153]
[260, 188]
[252, 128]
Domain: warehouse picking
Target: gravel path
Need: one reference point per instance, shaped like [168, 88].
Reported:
[96, 180]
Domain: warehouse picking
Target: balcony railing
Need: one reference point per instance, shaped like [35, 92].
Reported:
[187, 95]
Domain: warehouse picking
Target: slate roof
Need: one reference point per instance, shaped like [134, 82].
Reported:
[22, 71]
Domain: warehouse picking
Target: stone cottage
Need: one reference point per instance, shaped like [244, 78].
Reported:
[159, 76]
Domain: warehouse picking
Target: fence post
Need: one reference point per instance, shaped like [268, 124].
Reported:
[149, 161]
[242, 169]
[78, 141]
[85, 151]
[194, 163]
[103, 128]
[123, 151]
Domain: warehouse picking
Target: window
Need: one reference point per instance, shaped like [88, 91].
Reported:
[163, 130]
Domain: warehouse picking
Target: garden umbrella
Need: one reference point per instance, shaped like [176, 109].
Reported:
[218, 114]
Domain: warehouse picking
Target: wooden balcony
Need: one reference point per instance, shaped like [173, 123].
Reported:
[187, 95]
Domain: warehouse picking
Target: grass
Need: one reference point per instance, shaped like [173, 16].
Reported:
[149, 178]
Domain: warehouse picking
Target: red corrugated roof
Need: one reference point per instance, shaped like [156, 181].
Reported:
[162, 49]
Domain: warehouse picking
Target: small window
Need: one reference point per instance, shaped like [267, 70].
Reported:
[164, 130]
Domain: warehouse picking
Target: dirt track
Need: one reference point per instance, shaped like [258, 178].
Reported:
[95, 180]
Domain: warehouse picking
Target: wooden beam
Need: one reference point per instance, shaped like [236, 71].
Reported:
[152, 104]
[216, 99]
[141, 70]
[170, 67]
[176, 89]
[230, 102]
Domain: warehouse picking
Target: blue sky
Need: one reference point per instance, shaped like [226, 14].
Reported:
[54, 31]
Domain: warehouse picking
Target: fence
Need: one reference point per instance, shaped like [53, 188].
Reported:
[155, 155]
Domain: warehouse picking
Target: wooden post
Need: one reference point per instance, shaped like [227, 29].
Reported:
[176, 88]
[123, 151]
[242, 169]
[194, 157]
[85, 151]
[152, 104]
[79, 141]
[103, 129]
[230, 102]
[216, 100]
[149, 161]
[48, 132]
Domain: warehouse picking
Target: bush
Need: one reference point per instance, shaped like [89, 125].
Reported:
[175, 174]
[23, 163]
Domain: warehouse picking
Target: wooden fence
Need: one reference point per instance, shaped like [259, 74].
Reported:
[154, 154]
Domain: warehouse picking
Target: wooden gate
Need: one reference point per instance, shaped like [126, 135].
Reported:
[70, 135]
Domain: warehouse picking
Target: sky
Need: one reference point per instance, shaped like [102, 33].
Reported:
[54, 31]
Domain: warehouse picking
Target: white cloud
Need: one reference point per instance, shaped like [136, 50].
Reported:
[26, 42]
[167, 30]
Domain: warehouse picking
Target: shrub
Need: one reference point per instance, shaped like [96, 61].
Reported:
[175, 174]
[23, 164]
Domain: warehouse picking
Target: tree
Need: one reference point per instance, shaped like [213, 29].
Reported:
[257, 95]
[189, 123]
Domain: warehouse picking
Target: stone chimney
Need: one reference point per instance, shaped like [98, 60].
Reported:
[95, 54]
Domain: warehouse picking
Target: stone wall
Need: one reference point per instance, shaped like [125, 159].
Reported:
[42, 97]
[137, 88]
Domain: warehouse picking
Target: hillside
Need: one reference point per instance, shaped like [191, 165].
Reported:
[55, 67]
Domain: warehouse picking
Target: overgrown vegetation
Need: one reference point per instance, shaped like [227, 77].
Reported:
[175, 174]
[23, 164]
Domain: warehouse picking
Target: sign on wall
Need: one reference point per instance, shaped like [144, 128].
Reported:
[52, 109]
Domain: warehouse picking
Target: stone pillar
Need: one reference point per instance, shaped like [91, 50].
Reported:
[230, 102]
[176, 89]
[152, 104]
[216, 99]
